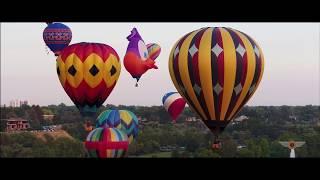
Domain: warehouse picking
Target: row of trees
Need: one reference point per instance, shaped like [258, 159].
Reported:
[259, 135]
[197, 142]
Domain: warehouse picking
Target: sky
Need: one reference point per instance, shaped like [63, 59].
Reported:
[291, 50]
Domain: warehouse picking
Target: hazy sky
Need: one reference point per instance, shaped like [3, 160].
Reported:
[291, 51]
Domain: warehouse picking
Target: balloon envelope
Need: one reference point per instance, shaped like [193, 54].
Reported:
[153, 50]
[136, 60]
[57, 36]
[216, 70]
[174, 104]
[88, 73]
[107, 143]
[124, 120]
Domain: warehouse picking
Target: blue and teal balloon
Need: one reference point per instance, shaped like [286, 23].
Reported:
[124, 120]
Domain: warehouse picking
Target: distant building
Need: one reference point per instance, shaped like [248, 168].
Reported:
[13, 103]
[24, 103]
[240, 147]
[17, 124]
[191, 119]
[18, 103]
[48, 117]
[293, 118]
[241, 118]
[142, 119]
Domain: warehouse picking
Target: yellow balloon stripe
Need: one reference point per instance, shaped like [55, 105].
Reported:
[251, 65]
[260, 75]
[61, 66]
[171, 71]
[204, 63]
[113, 135]
[173, 77]
[229, 70]
[93, 59]
[74, 60]
[184, 72]
[111, 61]
[172, 74]
[125, 116]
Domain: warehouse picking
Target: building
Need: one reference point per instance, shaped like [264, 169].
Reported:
[293, 117]
[191, 119]
[48, 117]
[241, 118]
[241, 146]
[17, 124]
[13, 103]
[18, 103]
[25, 102]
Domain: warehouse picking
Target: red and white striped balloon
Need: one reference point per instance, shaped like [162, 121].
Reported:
[174, 103]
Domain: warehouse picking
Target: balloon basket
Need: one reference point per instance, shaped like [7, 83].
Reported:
[216, 145]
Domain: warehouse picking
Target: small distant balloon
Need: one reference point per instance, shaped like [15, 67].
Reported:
[153, 50]
[174, 103]
[57, 36]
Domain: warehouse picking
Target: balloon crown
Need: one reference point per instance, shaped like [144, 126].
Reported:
[134, 35]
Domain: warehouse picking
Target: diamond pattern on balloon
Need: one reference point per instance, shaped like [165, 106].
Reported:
[217, 88]
[252, 89]
[72, 70]
[241, 50]
[113, 70]
[94, 70]
[176, 51]
[193, 50]
[256, 50]
[217, 50]
[238, 89]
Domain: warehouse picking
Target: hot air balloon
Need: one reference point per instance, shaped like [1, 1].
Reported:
[88, 73]
[122, 119]
[216, 70]
[136, 60]
[153, 50]
[57, 36]
[174, 104]
[107, 143]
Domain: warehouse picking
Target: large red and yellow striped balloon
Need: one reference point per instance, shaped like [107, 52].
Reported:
[216, 70]
[88, 73]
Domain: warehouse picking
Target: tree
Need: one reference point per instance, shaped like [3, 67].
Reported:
[265, 149]
[229, 147]
[206, 153]
[245, 153]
